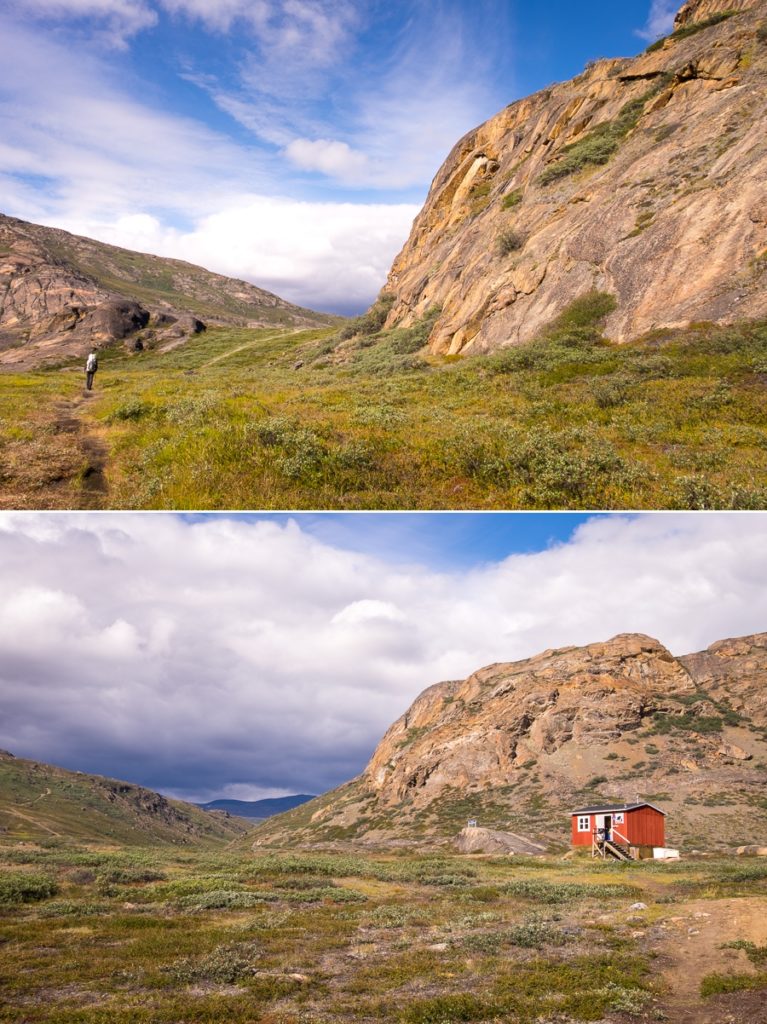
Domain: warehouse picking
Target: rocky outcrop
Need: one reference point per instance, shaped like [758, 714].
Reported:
[734, 672]
[488, 840]
[61, 294]
[517, 745]
[643, 178]
[474, 733]
[696, 11]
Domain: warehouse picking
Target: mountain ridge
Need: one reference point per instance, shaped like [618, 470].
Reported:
[61, 294]
[45, 801]
[260, 809]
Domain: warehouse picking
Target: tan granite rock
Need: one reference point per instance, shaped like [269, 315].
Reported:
[672, 225]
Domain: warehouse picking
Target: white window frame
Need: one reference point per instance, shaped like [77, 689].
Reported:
[584, 822]
[618, 818]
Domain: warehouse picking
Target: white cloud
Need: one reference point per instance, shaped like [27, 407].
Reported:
[336, 159]
[368, 611]
[227, 653]
[330, 255]
[309, 30]
[109, 157]
[117, 19]
[660, 20]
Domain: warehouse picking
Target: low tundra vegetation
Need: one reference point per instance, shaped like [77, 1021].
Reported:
[267, 938]
[367, 418]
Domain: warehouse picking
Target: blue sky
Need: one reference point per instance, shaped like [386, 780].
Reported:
[289, 142]
[249, 656]
[445, 541]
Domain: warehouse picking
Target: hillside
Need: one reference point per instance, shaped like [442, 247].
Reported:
[642, 178]
[519, 745]
[258, 808]
[41, 801]
[60, 294]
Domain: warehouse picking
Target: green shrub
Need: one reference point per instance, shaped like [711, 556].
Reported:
[131, 410]
[691, 30]
[566, 892]
[721, 984]
[395, 351]
[610, 393]
[445, 1010]
[224, 965]
[756, 954]
[370, 322]
[510, 241]
[536, 934]
[18, 888]
[512, 199]
[663, 724]
[130, 875]
[697, 493]
[599, 145]
[761, 32]
[227, 899]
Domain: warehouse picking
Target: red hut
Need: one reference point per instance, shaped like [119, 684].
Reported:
[623, 831]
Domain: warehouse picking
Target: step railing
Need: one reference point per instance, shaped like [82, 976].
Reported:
[600, 844]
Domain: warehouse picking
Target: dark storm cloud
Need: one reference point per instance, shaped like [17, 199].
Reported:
[238, 657]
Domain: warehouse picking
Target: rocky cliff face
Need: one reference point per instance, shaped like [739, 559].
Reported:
[61, 294]
[517, 745]
[643, 178]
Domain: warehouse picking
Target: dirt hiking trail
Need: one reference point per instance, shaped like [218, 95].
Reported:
[691, 949]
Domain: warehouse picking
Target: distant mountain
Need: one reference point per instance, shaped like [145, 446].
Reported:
[60, 294]
[258, 808]
[41, 801]
[518, 746]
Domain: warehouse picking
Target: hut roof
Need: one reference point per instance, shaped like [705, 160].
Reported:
[609, 808]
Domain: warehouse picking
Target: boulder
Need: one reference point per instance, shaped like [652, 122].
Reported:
[487, 840]
[116, 319]
[752, 851]
[735, 752]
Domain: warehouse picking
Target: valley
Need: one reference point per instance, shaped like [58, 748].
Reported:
[230, 420]
[118, 905]
[576, 321]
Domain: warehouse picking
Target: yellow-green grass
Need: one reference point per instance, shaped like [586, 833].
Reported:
[675, 420]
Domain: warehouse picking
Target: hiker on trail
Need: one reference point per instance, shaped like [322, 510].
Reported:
[91, 365]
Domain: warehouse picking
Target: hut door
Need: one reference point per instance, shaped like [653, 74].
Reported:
[605, 825]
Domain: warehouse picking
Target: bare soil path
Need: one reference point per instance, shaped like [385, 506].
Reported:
[691, 948]
[33, 821]
[70, 421]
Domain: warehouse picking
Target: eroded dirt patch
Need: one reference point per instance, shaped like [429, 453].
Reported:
[691, 947]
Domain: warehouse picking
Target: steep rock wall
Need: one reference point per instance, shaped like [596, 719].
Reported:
[673, 224]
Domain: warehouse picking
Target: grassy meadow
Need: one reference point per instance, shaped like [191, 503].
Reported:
[363, 419]
[138, 936]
